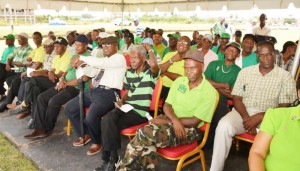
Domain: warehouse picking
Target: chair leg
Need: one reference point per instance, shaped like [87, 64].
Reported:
[202, 159]
[69, 127]
[237, 144]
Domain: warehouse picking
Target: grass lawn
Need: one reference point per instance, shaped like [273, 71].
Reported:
[11, 159]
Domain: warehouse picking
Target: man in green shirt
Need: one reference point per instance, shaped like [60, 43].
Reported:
[222, 75]
[173, 39]
[190, 103]
[220, 50]
[9, 41]
[247, 57]
[158, 44]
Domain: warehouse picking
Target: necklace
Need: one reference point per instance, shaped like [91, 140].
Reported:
[226, 71]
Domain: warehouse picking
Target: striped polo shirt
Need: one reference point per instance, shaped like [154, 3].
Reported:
[140, 88]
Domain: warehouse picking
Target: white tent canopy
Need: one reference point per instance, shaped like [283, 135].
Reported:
[148, 5]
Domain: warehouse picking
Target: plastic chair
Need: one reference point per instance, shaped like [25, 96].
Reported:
[131, 131]
[192, 151]
[244, 137]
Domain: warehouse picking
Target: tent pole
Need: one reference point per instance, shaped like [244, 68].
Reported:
[296, 61]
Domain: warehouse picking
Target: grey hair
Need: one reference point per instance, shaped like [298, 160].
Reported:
[138, 49]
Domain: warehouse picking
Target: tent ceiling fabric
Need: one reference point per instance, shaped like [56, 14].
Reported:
[149, 5]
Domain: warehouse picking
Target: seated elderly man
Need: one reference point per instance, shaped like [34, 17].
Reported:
[190, 103]
[256, 89]
[139, 84]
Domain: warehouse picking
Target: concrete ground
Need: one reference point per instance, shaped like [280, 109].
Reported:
[56, 152]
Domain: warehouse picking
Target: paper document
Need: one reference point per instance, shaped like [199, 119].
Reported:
[126, 108]
[29, 70]
[79, 73]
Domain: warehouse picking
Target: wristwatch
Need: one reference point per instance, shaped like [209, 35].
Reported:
[171, 62]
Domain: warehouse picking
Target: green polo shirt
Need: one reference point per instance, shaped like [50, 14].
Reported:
[72, 72]
[194, 47]
[249, 60]
[5, 53]
[284, 125]
[159, 49]
[95, 44]
[199, 102]
[221, 55]
[176, 67]
[217, 71]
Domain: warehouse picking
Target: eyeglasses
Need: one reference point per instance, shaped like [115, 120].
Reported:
[182, 43]
[268, 55]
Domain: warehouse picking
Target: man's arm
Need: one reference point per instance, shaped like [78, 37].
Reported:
[39, 73]
[165, 66]
[152, 60]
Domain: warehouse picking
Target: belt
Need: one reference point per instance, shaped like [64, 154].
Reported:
[106, 88]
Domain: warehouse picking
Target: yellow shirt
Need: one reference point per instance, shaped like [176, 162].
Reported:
[176, 67]
[61, 63]
[38, 55]
[160, 49]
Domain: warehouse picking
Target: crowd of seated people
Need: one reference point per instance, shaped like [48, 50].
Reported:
[195, 72]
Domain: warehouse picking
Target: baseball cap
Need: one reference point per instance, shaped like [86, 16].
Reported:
[176, 36]
[82, 38]
[225, 36]
[48, 42]
[103, 35]
[61, 41]
[136, 20]
[69, 32]
[238, 33]
[130, 35]
[25, 35]
[208, 37]
[110, 40]
[234, 44]
[9, 36]
[196, 55]
[148, 40]
[272, 39]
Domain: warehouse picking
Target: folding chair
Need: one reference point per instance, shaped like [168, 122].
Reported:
[244, 137]
[192, 151]
[131, 131]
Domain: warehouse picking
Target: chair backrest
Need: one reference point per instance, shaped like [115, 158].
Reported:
[155, 97]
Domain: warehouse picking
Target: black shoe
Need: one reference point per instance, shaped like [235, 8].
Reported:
[102, 167]
[30, 124]
[112, 163]
[19, 109]
[3, 107]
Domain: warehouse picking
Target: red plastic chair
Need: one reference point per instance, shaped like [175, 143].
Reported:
[131, 131]
[244, 137]
[192, 151]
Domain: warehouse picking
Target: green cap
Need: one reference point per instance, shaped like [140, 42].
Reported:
[234, 44]
[9, 36]
[225, 36]
[176, 36]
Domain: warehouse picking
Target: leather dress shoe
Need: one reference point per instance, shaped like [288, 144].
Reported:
[80, 141]
[37, 134]
[30, 124]
[21, 115]
[12, 105]
[19, 109]
[94, 149]
[3, 108]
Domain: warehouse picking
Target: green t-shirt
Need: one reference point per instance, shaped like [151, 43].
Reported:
[72, 72]
[284, 126]
[159, 49]
[221, 55]
[199, 102]
[250, 60]
[217, 71]
[5, 53]
[137, 40]
[194, 47]
[95, 44]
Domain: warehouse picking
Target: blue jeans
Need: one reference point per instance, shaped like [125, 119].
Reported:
[100, 101]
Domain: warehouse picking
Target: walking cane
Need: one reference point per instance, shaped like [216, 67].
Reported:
[81, 106]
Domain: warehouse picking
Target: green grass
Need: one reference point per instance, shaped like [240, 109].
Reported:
[11, 159]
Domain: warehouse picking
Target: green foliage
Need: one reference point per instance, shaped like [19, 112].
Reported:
[289, 21]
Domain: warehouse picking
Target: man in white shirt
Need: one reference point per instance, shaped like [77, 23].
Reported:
[209, 55]
[261, 30]
[107, 79]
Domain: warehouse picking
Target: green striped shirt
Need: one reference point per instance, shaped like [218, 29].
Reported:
[140, 88]
[19, 55]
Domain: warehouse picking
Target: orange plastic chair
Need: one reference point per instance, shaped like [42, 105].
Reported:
[244, 137]
[192, 151]
[131, 131]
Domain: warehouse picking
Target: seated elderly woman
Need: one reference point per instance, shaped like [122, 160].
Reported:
[276, 146]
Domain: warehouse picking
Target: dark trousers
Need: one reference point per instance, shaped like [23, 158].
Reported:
[3, 76]
[49, 104]
[100, 101]
[21, 91]
[221, 110]
[113, 123]
[14, 83]
[164, 92]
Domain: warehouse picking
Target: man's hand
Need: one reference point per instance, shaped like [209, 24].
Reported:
[85, 78]
[176, 58]
[179, 129]
[147, 46]
[159, 121]
[51, 76]
[118, 104]
[7, 67]
[251, 122]
[252, 131]
[61, 85]
[23, 74]
[76, 62]
[226, 86]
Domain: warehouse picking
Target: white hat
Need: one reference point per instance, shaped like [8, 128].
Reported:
[103, 35]
[25, 35]
[208, 37]
[48, 42]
